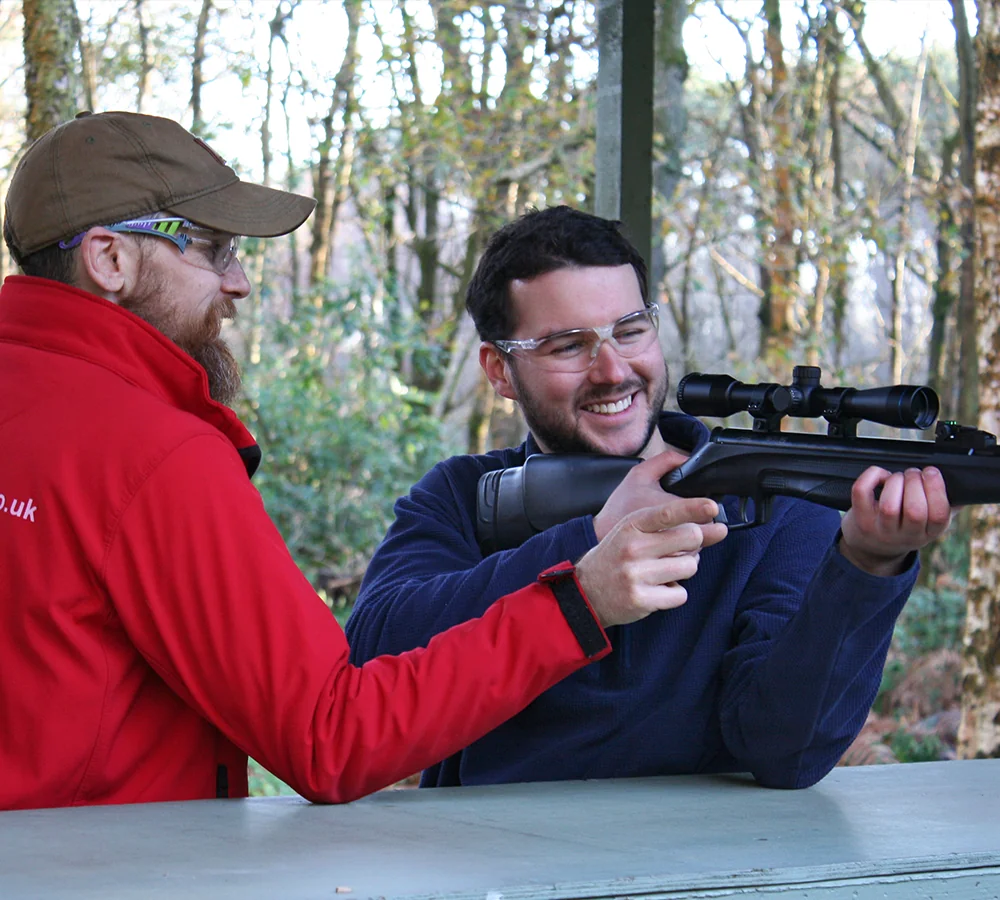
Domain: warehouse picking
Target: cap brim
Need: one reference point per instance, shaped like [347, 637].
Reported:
[247, 209]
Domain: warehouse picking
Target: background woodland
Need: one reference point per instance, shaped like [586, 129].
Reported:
[823, 195]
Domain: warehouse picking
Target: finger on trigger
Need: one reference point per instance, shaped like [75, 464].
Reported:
[674, 511]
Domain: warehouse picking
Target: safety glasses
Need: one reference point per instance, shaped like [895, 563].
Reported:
[575, 350]
[216, 248]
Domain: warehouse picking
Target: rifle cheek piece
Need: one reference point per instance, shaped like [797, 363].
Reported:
[514, 504]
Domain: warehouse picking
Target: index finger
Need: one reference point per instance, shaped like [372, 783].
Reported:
[863, 499]
[700, 510]
[657, 466]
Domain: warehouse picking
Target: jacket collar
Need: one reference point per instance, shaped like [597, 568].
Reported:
[61, 319]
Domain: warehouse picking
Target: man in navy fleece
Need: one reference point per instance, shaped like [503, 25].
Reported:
[773, 661]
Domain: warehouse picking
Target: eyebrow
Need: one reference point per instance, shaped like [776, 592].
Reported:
[545, 337]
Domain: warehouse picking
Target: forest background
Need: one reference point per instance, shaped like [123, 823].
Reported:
[823, 184]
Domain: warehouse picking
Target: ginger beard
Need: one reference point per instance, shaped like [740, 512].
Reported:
[198, 336]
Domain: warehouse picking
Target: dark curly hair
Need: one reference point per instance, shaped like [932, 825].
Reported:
[543, 241]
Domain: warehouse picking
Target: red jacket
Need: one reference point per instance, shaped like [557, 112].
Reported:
[154, 629]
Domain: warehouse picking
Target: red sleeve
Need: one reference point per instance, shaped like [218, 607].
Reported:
[212, 599]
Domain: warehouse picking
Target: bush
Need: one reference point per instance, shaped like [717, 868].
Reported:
[931, 620]
[907, 747]
[263, 784]
[342, 435]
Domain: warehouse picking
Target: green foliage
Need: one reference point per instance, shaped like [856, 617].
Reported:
[263, 784]
[342, 435]
[950, 554]
[934, 615]
[932, 619]
[892, 675]
[907, 747]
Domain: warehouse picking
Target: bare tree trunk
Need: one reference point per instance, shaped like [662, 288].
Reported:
[460, 354]
[389, 236]
[282, 13]
[427, 372]
[681, 310]
[979, 733]
[781, 255]
[837, 252]
[969, 357]
[277, 26]
[478, 426]
[88, 68]
[145, 66]
[51, 81]
[670, 123]
[945, 287]
[722, 293]
[291, 184]
[329, 179]
[899, 266]
[197, 67]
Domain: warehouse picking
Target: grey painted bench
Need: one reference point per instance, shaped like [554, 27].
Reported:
[925, 830]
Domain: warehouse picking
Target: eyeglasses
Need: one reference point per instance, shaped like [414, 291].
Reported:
[576, 350]
[219, 251]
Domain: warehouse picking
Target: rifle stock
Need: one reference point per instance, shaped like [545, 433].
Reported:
[549, 489]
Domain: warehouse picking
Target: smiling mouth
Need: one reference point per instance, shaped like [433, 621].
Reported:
[610, 408]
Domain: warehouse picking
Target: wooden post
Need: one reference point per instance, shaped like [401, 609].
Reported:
[624, 186]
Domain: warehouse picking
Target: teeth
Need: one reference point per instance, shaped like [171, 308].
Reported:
[609, 408]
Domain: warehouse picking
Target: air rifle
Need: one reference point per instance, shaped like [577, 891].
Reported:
[755, 464]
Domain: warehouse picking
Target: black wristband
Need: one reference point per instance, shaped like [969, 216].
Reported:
[574, 606]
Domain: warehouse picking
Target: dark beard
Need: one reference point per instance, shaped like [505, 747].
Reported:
[558, 439]
[200, 340]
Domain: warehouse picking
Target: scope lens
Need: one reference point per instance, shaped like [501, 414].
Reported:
[923, 407]
[899, 406]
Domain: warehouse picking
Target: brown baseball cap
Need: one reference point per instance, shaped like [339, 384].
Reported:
[101, 168]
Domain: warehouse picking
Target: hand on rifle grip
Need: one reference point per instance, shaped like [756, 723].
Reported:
[635, 570]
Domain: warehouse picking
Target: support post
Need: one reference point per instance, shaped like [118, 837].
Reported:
[624, 185]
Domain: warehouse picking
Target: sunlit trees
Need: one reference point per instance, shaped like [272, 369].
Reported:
[980, 729]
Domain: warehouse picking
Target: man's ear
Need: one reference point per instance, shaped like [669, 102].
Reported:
[497, 370]
[108, 263]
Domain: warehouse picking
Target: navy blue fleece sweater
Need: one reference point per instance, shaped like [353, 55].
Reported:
[769, 667]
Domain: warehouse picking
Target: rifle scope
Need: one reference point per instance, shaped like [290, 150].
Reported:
[899, 406]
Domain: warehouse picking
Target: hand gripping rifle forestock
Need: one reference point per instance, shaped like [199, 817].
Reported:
[752, 465]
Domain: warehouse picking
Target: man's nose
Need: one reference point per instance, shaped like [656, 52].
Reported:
[235, 281]
[608, 364]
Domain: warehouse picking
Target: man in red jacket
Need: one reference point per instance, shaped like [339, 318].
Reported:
[153, 628]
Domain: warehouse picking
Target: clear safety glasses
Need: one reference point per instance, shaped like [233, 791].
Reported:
[576, 350]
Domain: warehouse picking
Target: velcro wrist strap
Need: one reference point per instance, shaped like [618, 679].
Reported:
[573, 603]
